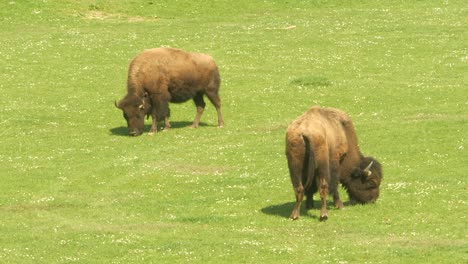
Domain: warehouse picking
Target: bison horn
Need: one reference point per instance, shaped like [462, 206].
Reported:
[142, 107]
[116, 105]
[367, 169]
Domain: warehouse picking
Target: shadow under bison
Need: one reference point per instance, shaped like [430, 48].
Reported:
[123, 131]
[284, 210]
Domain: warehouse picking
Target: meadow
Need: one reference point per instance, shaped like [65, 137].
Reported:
[74, 188]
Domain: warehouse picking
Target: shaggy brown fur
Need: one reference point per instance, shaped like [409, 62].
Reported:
[362, 187]
[322, 149]
[162, 75]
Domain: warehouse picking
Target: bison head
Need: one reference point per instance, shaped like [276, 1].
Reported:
[364, 182]
[134, 110]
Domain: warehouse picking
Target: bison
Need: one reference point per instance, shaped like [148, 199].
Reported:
[322, 150]
[162, 75]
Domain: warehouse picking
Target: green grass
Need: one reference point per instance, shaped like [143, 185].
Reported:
[75, 188]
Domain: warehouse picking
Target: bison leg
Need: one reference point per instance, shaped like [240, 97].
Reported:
[165, 112]
[323, 198]
[295, 153]
[299, 192]
[323, 176]
[334, 178]
[160, 105]
[154, 123]
[200, 103]
[220, 117]
[337, 201]
[167, 125]
[216, 101]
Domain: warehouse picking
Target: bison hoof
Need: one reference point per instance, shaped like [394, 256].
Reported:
[294, 216]
[323, 218]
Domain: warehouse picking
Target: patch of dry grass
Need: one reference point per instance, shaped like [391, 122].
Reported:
[107, 16]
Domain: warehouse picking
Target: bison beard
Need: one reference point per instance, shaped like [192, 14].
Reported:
[162, 75]
[322, 150]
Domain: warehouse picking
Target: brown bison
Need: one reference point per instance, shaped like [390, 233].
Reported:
[162, 75]
[322, 150]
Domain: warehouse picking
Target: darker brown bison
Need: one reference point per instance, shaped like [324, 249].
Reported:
[162, 75]
[322, 150]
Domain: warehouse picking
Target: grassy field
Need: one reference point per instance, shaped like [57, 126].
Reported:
[75, 189]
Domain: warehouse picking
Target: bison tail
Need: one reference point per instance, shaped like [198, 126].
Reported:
[309, 163]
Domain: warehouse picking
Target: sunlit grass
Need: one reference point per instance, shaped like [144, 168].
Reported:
[75, 188]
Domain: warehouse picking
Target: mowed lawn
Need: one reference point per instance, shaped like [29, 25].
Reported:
[74, 188]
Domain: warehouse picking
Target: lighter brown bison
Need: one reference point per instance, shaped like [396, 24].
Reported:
[162, 75]
[322, 150]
